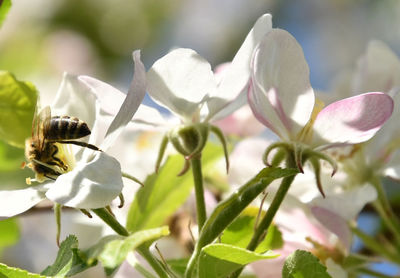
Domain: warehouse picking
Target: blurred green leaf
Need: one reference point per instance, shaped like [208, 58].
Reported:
[303, 264]
[9, 233]
[220, 260]
[69, 261]
[10, 157]
[12, 272]
[163, 193]
[240, 232]
[5, 6]
[17, 105]
[112, 251]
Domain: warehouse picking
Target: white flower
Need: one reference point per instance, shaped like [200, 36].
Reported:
[95, 178]
[183, 82]
[282, 98]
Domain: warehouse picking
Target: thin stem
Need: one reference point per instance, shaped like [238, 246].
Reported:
[375, 246]
[153, 262]
[57, 214]
[384, 209]
[262, 228]
[269, 216]
[199, 190]
[126, 175]
[373, 273]
[110, 220]
[144, 271]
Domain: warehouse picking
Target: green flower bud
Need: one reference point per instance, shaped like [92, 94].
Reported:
[189, 140]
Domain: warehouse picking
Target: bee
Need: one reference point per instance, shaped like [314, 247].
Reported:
[44, 149]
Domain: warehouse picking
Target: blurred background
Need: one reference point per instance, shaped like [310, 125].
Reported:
[40, 39]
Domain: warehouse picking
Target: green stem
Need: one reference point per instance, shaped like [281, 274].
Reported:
[375, 246]
[144, 271]
[269, 216]
[155, 264]
[373, 273]
[262, 228]
[199, 190]
[110, 220]
[57, 214]
[385, 211]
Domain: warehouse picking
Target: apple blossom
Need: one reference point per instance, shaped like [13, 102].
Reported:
[94, 178]
[183, 82]
[282, 98]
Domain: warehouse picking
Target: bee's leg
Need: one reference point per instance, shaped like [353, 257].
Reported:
[51, 178]
[82, 144]
[48, 167]
[58, 162]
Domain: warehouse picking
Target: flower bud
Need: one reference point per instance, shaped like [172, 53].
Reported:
[189, 140]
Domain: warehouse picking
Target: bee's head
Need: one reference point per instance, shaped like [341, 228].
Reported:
[31, 148]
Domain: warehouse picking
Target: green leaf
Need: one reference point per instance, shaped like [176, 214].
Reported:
[111, 251]
[163, 193]
[17, 106]
[69, 261]
[303, 264]
[240, 232]
[5, 6]
[219, 260]
[12, 272]
[9, 233]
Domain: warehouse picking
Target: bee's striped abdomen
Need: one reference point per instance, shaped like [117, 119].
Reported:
[65, 128]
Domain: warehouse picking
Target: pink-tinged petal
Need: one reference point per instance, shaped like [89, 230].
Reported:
[180, 81]
[258, 102]
[241, 123]
[236, 77]
[89, 185]
[14, 202]
[352, 120]
[386, 140]
[378, 70]
[333, 222]
[281, 91]
[130, 105]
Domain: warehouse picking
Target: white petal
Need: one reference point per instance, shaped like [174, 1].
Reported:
[392, 169]
[378, 70]
[14, 202]
[111, 100]
[130, 105]
[88, 186]
[281, 88]
[335, 270]
[236, 76]
[109, 97]
[180, 81]
[348, 204]
[75, 99]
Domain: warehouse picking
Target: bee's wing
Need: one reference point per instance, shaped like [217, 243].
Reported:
[42, 125]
